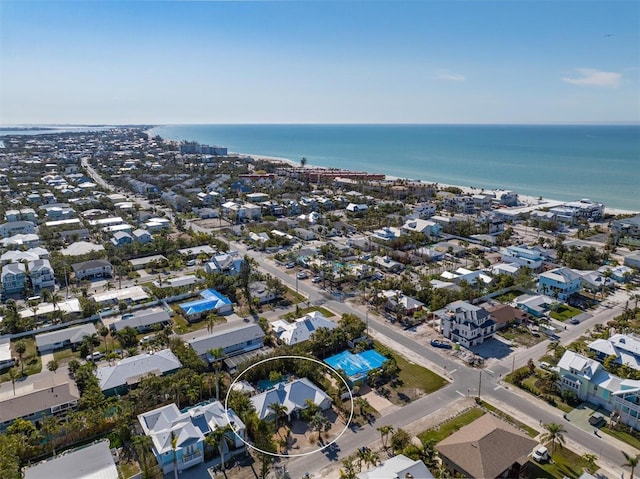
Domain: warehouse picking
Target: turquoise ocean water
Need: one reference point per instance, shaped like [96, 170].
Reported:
[568, 162]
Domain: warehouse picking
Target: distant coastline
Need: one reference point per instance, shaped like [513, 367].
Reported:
[601, 163]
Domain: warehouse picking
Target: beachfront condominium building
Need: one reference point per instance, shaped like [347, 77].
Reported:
[466, 324]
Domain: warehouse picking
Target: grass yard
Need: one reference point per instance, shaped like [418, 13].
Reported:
[566, 463]
[508, 297]
[65, 355]
[415, 376]
[564, 312]
[531, 432]
[449, 427]
[32, 361]
[623, 436]
[183, 326]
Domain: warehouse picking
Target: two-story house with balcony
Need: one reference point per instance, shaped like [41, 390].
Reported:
[13, 278]
[530, 258]
[96, 268]
[190, 429]
[41, 275]
[466, 324]
[588, 379]
[559, 283]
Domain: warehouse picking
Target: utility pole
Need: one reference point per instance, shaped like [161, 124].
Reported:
[479, 384]
[513, 364]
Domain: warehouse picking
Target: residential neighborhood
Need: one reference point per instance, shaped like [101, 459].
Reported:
[175, 308]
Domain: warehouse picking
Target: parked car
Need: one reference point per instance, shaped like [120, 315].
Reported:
[545, 365]
[574, 321]
[302, 275]
[291, 265]
[95, 356]
[191, 262]
[316, 279]
[541, 454]
[597, 420]
[148, 339]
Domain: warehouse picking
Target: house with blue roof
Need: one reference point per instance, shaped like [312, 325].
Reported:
[560, 283]
[356, 366]
[212, 302]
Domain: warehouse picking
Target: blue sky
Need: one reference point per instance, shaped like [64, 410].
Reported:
[89, 61]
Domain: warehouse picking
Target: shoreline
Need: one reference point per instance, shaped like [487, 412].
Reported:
[524, 200]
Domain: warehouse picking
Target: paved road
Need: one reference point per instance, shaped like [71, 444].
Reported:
[465, 379]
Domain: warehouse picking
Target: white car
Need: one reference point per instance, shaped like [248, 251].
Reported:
[541, 454]
[302, 275]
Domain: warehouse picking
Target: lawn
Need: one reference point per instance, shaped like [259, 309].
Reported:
[566, 463]
[531, 432]
[415, 376]
[508, 297]
[183, 326]
[65, 355]
[623, 436]
[449, 427]
[32, 361]
[564, 312]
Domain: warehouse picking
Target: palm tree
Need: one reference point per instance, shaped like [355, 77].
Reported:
[384, 434]
[174, 446]
[217, 354]
[279, 410]
[555, 432]
[218, 439]
[104, 332]
[13, 377]
[632, 461]
[21, 348]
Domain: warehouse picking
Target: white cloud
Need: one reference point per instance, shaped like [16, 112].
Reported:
[591, 77]
[448, 76]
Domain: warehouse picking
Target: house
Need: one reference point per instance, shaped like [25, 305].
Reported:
[80, 248]
[530, 258]
[293, 396]
[466, 324]
[190, 427]
[399, 466]
[41, 275]
[510, 269]
[302, 328]
[588, 379]
[430, 229]
[143, 321]
[212, 302]
[632, 260]
[141, 236]
[559, 283]
[471, 277]
[487, 448]
[130, 295]
[16, 227]
[624, 347]
[121, 238]
[260, 292]
[385, 263]
[71, 308]
[131, 370]
[232, 340]
[157, 224]
[13, 277]
[195, 251]
[305, 234]
[87, 462]
[35, 403]
[356, 208]
[96, 268]
[61, 338]
[397, 300]
[29, 240]
[18, 256]
[504, 314]
[6, 360]
[535, 305]
[224, 263]
[147, 261]
[621, 228]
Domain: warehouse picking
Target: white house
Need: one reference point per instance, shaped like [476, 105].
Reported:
[41, 274]
[293, 396]
[302, 328]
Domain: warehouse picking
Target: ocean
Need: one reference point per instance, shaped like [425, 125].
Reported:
[562, 162]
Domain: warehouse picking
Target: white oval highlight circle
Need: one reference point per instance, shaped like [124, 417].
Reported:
[275, 454]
